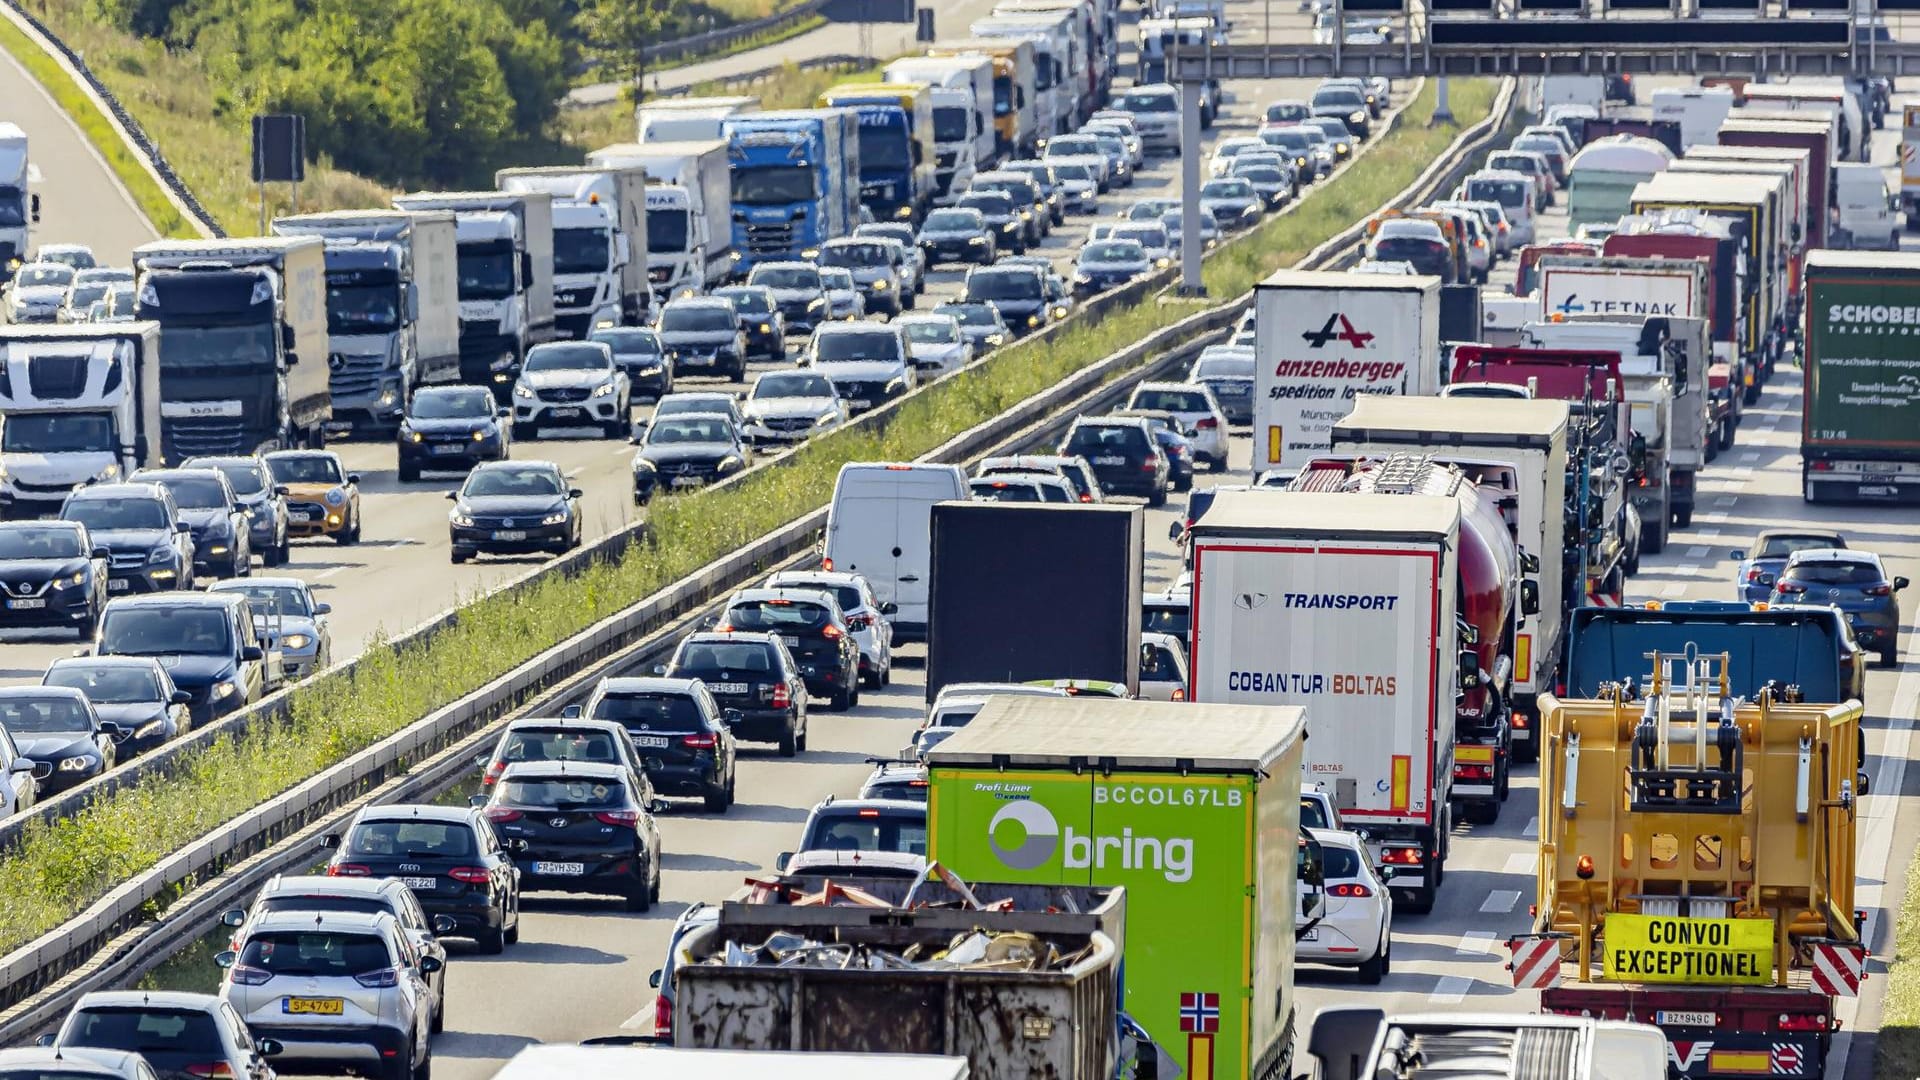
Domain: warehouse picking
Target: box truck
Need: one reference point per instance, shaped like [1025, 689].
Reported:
[19, 204]
[504, 246]
[897, 147]
[1858, 439]
[1343, 604]
[690, 119]
[1073, 574]
[689, 212]
[599, 229]
[1016, 124]
[795, 184]
[963, 114]
[1323, 338]
[393, 307]
[1195, 812]
[79, 404]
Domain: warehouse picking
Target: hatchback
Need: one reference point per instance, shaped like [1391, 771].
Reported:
[1761, 564]
[264, 501]
[1073, 468]
[183, 1036]
[864, 825]
[754, 679]
[1227, 370]
[1356, 928]
[1022, 488]
[57, 729]
[1197, 410]
[452, 428]
[815, 630]
[682, 735]
[897, 779]
[578, 827]
[135, 693]
[567, 739]
[866, 616]
[1124, 455]
[1163, 667]
[448, 855]
[1855, 582]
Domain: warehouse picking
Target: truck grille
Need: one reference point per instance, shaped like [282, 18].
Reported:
[769, 239]
[57, 377]
[355, 376]
[565, 394]
[574, 298]
[185, 437]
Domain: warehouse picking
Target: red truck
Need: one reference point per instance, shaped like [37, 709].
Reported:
[1695, 234]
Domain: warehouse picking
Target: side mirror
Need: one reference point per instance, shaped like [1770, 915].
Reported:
[453, 496]
[36, 221]
[576, 493]
[658, 806]
[353, 478]
[889, 608]
[288, 341]
[476, 801]
[1529, 598]
[331, 840]
[1174, 530]
[413, 302]
[653, 978]
[659, 669]
[1736, 555]
[181, 527]
[732, 716]
[282, 490]
[99, 552]
[20, 765]
[1529, 563]
[638, 434]
[268, 1047]
[43, 1040]
[323, 608]
[444, 924]
[1861, 783]
[571, 712]
[1899, 583]
[180, 697]
[226, 959]
[114, 731]
[430, 964]
[252, 654]
[781, 860]
[1469, 669]
[517, 845]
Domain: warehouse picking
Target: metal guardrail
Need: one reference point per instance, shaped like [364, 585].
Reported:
[846, 61]
[104, 944]
[129, 129]
[725, 38]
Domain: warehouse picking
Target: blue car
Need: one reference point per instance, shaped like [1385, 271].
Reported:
[1761, 564]
[1857, 584]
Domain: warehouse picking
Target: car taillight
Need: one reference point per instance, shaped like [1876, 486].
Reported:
[617, 817]
[859, 622]
[1352, 892]
[246, 975]
[1086, 498]
[662, 1015]
[1879, 590]
[348, 870]
[493, 772]
[723, 628]
[1405, 856]
[826, 563]
[831, 632]
[703, 741]
[1206, 424]
[1179, 693]
[378, 980]
[212, 1070]
[782, 697]
[500, 815]
[1789, 588]
[472, 875]
[1753, 575]
[1472, 772]
[1147, 465]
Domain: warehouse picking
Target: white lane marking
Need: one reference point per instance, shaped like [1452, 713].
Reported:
[1750, 455]
[1500, 901]
[328, 573]
[1715, 518]
[1476, 943]
[1532, 831]
[640, 1021]
[1450, 990]
[1688, 568]
[1708, 534]
[1523, 863]
[1726, 500]
[1743, 471]
[1697, 551]
[1672, 589]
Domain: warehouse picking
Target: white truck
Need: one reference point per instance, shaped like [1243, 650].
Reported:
[599, 224]
[1322, 339]
[1344, 604]
[19, 205]
[688, 119]
[963, 135]
[78, 403]
[1055, 97]
[689, 211]
[1526, 440]
[1866, 208]
[505, 247]
[393, 306]
[1699, 110]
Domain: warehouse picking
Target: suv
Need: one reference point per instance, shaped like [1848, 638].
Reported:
[797, 289]
[679, 730]
[754, 678]
[336, 989]
[52, 574]
[575, 739]
[863, 825]
[180, 1035]
[149, 549]
[579, 827]
[1019, 293]
[1857, 584]
[704, 333]
[448, 855]
[206, 640]
[873, 270]
[1126, 458]
[868, 363]
[866, 616]
[573, 384]
[264, 502]
[815, 630]
[1196, 408]
[205, 502]
[765, 327]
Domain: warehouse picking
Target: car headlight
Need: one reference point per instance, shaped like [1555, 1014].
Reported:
[641, 464]
[1082, 279]
[765, 328]
[880, 285]
[414, 436]
[78, 577]
[335, 497]
[1033, 320]
[603, 390]
[1010, 226]
[1163, 262]
[1026, 215]
[109, 473]
[77, 763]
[480, 434]
[558, 517]
[460, 517]
[976, 240]
[296, 641]
[816, 303]
[150, 728]
[1357, 118]
[729, 463]
[160, 555]
[996, 339]
[225, 689]
[522, 390]
[1060, 312]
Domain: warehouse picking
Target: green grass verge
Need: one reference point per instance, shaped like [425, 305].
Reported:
[60, 868]
[1896, 1048]
[99, 130]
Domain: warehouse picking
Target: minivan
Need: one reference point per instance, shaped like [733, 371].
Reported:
[878, 526]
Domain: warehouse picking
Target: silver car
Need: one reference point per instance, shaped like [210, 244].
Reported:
[866, 616]
[287, 618]
[935, 344]
[183, 1036]
[37, 292]
[336, 990]
[788, 406]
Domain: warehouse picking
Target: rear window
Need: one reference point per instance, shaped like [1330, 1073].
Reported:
[1170, 401]
[359, 905]
[412, 838]
[159, 1034]
[1338, 863]
[1157, 664]
[1838, 573]
[1779, 547]
[656, 712]
[560, 745]
[1088, 441]
[910, 790]
[1313, 815]
[316, 953]
[1508, 193]
[848, 595]
[867, 830]
[784, 615]
[709, 658]
[1166, 619]
[562, 794]
[1018, 491]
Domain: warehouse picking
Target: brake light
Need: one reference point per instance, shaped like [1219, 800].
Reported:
[662, 1015]
[1405, 856]
[1520, 720]
[378, 980]
[493, 772]
[826, 562]
[831, 632]
[348, 870]
[870, 813]
[779, 603]
[1086, 498]
[500, 815]
[617, 817]
[212, 1070]
[1802, 1022]
[1351, 892]
[1206, 424]
[1823, 466]
[1147, 465]
[1753, 575]
[1789, 588]
[1179, 693]
[246, 975]
[859, 622]
[782, 697]
[471, 875]
[723, 628]
[1879, 590]
[703, 741]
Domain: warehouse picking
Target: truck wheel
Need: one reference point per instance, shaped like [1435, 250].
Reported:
[1682, 518]
[1726, 434]
[1481, 813]
[1653, 538]
[1526, 753]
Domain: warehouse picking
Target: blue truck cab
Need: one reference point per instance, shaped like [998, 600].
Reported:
[898, 156]
[794, 181]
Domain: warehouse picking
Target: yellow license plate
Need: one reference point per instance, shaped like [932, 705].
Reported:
[311, 1006]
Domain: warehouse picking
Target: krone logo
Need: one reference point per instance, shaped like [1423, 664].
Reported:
[1041, 835]
[1247, 601]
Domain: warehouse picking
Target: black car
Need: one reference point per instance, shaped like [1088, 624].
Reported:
[756, 681]
[514, 508]
[679, 730]
[638, 350]
[264, 501]
[133, 692]
[957, 234]
[766, 327]
[1125, 457]
[449, 856]
[685, 450]
[148, 550]
[452, 427]
[1174, 441]
[207, 505]
[52, 574]
[704, 334]
[815, 631]
[1019, 293]
[56, 728]
[1003, 217]
[206, 641]
[578, 827]
[1347, 105]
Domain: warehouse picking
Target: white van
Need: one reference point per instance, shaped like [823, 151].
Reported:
[1868, 211]
[878, 526]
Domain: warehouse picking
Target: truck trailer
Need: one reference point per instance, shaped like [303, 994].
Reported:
[599, 231]
[897, 148]
[689, 212]
[80, 404]
[1858, 439]
[19, 203]
[1016, 130]
[688, 119]
[961, 88]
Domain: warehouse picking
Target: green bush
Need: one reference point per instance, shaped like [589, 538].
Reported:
[60, 868]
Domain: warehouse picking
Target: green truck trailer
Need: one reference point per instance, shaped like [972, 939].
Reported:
[1858, 435]
[1194, 809]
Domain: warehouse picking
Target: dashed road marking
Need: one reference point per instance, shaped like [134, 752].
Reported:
[1743, 471]
[1688, 568]
[1750, 455]
[1726, 500]
[1532, 831]
[1708, 534]
[1697, 551]
[328, 573]
[1476, 943]
[1523, 863]
[1450, 990]
[1715, 518]
[1672, 589]
[1500, 901]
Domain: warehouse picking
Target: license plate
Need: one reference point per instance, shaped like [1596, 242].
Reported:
[1686, 1019]
[190, 409]
[560, 869]
[1877, 478]
[509, 534]
[301, 515]
[449, 449]
[1876, 489]
[24, 605]
[1110, 459]
[859, 403]
[118, 585]
[686, 481]
[565, 414]
[294, 1006]
[420, 884]
[652, 741]
[728, 687]
[790, 639]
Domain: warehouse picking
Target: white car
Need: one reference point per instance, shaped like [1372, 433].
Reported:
[843, 293]
[1317, 810]
[1150, 235]
[1033, 487]
[866, 616]
[1163, 668]
[208, 1033]
[1228, 149]
[1079, 180]
[19, 782]
[1196, 408]
[1356, 927]
[37, 291]
[935, 344]
[571, 384]
[788, 406]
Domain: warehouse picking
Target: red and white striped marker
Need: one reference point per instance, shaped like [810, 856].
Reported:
[1536, 962]
[1838, 969]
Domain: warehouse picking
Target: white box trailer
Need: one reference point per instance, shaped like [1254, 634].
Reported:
[1344, 604]
[1322, 339]
[1527, 437]
[619, 1062]
[689, 211]
[681, 119]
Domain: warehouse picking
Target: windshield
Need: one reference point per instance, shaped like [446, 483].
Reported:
[48, 274]
[193, 348]
[793, 385]
[1344, 99]
[950, 125]
[587, 357]
[626, 343]
[834, 277]
[1148, 103]
[275, 599]
[446, 839]
[513, 482]
[1227, 189]
[161, 631]
[196, 492]
[704, 658]
[40, 542]
[103, 515]
[747, 301]
[990, 204]
[676, 404]
[1261, 174]
[54, 433]
[828, 348]
[1004, 285]
[316, 953]
[244, 478]
[851, 255]
[690, 429]
[774, 185]
[305, 469]
[1282, 111]
[1223, 367]
[786, 277]
[581, 251]
[13, 214]
[1292, 139]
[362, 309]
[1114, 252]
[667, 230]
[436, 404]
[42, 715]
[486, 275]
[884, 148]
[559, 744]
[557, 793]
[952, 221]
[81, 297]
[697, 319]
[167, 1038]
[969, 314]
[929, 332]
[1147, 236]
[1075, 146]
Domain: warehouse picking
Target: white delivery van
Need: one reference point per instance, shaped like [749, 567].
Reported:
[878, 527]
[1867, 206]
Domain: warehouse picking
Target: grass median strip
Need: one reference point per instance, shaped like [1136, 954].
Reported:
[60, 868]
[1896, 1047]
